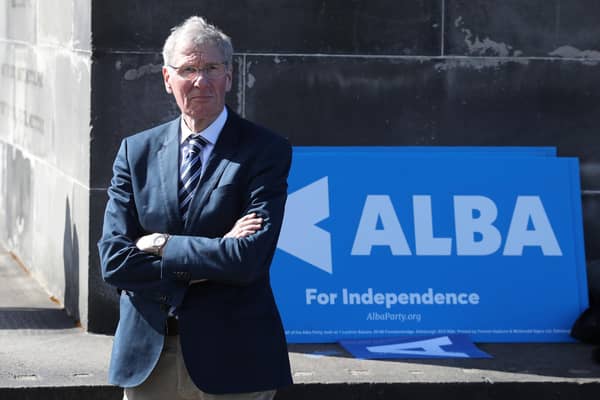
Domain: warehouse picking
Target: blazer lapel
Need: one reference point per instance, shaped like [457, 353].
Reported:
[168, 162]
[223, 152]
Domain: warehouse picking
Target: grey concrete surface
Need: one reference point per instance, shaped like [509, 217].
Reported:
[44, 355]
[40, 346]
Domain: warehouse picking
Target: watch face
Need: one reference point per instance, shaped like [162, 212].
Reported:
[159, 241]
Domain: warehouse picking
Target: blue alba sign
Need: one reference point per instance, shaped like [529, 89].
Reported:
[465, 241]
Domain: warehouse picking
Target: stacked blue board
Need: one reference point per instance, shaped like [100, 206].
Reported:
[413, 241]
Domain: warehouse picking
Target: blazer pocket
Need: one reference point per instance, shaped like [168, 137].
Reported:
[225, 200]
[230, 188]
[227, 186]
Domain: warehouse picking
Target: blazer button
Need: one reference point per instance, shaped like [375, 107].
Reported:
[183, 275]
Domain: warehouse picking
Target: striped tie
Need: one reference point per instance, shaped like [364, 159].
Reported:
[189, 172]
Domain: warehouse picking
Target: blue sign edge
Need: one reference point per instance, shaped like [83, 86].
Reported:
[541, 151]
[578, 239]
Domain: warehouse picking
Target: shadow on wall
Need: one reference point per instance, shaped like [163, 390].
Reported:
[71, 265]
[18, 208]
[590, 204]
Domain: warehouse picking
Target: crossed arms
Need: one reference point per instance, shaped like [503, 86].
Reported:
[240, 257]
[245, 226]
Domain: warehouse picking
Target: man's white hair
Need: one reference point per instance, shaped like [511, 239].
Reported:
[195, 30]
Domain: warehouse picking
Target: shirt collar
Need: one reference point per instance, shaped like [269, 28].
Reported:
[211, 133]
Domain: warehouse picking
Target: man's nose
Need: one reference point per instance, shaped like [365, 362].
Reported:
[200, 79]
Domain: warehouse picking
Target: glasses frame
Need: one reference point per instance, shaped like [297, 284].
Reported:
[203, 71]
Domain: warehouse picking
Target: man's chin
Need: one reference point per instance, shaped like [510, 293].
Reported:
[205, 116]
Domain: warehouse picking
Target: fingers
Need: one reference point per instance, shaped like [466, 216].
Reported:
[250, 224]
[248, 217]
[242, 233]
[250, 221]
[245, 226]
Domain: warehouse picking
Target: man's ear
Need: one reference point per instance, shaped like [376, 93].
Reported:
[166, 79]
[229, 80]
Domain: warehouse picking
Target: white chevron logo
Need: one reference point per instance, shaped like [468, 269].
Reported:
[300, 236]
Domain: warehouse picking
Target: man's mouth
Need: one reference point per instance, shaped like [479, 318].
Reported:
[200, 98]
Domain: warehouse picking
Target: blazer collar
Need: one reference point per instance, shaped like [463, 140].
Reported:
[168, 163]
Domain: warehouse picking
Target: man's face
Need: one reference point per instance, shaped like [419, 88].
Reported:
[201, 99]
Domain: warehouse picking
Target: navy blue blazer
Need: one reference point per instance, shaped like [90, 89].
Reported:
[231, 333]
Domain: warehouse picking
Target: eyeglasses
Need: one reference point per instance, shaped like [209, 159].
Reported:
[209, 71]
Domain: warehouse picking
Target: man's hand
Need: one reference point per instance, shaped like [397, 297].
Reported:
[245, 226]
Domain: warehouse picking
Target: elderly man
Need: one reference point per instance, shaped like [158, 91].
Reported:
[194, 212]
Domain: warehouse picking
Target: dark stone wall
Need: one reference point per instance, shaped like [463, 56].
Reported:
[367, 72]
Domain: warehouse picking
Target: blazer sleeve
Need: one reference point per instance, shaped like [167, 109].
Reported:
[123, 264]
[238, 261]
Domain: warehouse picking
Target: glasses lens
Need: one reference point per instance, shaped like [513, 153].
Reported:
[188, 72]
[213, 71]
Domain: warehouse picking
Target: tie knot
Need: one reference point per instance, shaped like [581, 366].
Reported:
[198, 139]
[195, 143]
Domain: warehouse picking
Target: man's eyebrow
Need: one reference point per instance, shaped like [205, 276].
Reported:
[201, 64]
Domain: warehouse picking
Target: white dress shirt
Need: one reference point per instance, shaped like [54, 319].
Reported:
[210, 135]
